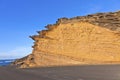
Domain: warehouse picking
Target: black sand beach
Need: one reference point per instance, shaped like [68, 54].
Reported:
[91, 72]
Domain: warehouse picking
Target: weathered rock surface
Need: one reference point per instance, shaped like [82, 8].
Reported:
[91, 39]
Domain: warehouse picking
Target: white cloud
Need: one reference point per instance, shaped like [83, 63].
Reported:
[16, 53]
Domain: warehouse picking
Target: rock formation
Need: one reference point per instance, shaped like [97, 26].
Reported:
[91, 39]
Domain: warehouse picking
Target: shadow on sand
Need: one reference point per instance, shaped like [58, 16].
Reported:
[79, 72]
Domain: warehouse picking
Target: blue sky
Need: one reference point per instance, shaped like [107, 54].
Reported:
[21, 18]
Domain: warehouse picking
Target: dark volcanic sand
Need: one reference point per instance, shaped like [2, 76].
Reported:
[88, 72]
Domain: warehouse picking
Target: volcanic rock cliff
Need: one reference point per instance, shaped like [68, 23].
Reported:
[91, 39]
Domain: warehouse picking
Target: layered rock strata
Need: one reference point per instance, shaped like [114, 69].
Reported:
[91, 39]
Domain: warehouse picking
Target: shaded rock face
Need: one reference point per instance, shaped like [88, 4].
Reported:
[92, 39]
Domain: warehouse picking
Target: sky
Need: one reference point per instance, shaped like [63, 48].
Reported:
[21, 18]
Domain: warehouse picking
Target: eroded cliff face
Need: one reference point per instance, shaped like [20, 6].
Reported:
[92, 39]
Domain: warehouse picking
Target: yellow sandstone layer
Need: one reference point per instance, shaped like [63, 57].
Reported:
[73, 43]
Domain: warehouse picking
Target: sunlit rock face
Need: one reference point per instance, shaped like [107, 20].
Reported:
[91, 39]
